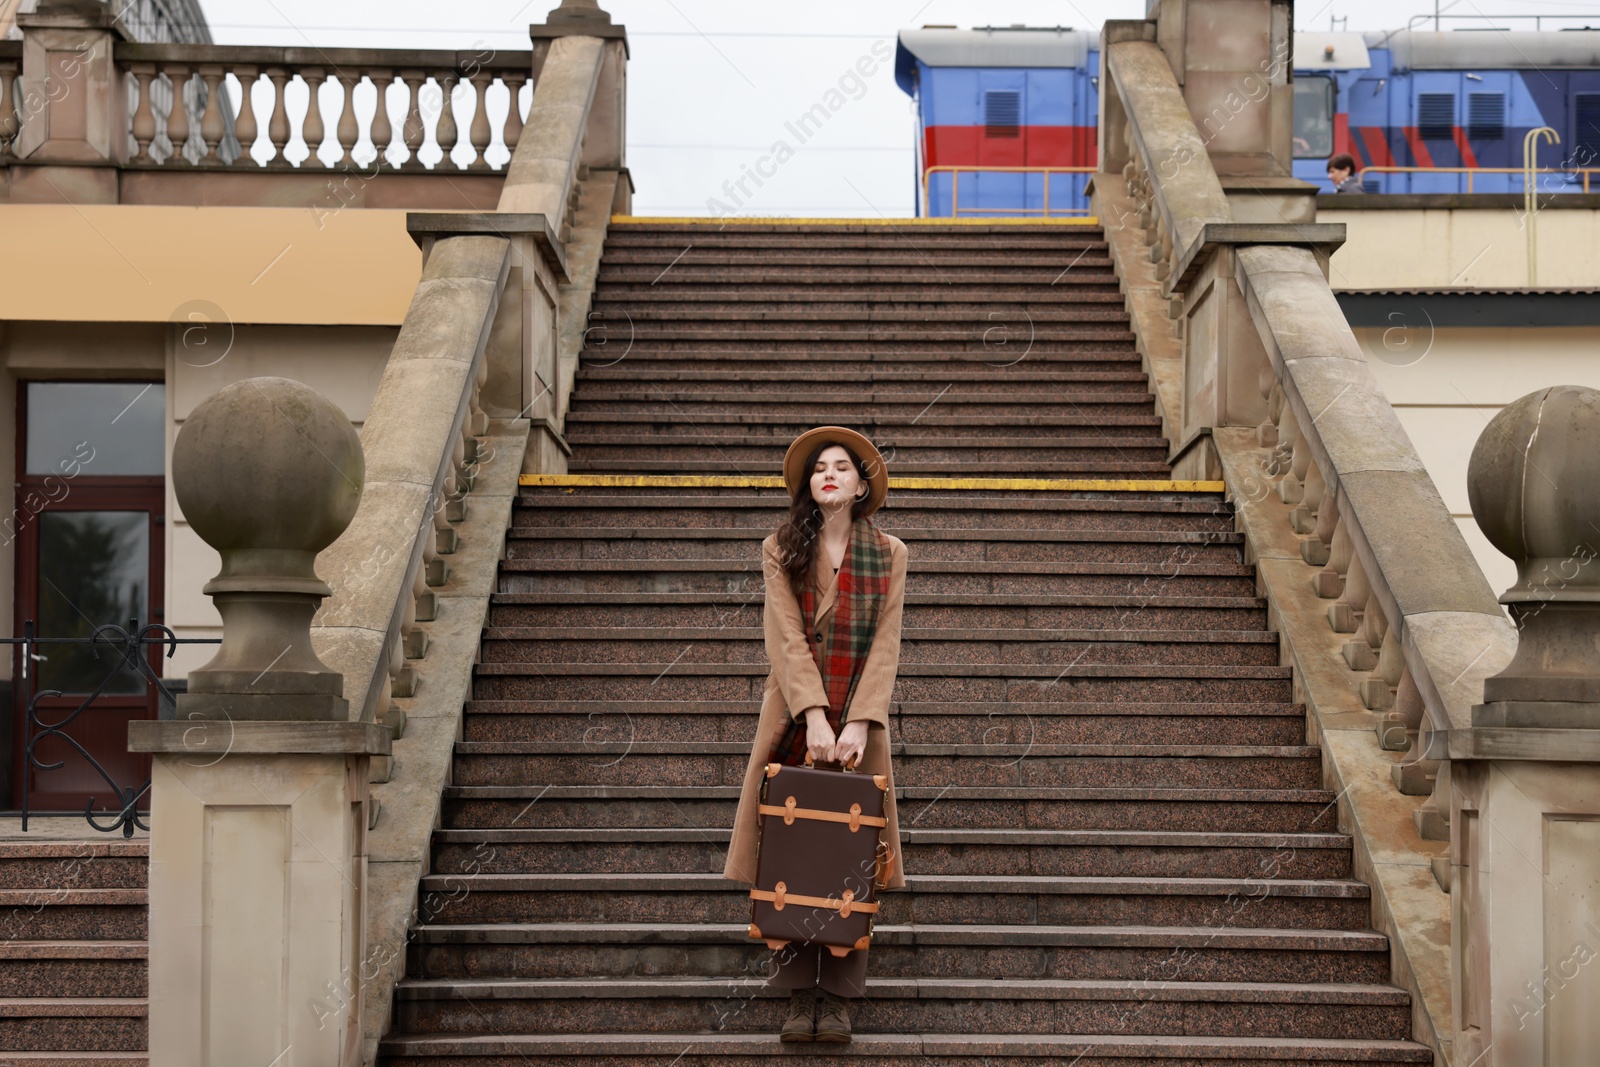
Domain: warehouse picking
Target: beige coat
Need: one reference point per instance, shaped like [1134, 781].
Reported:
[795, 684]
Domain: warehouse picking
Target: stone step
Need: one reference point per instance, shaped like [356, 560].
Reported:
[74, 968]
[1084, 257]
[813, 237]
[916, 681]
[741, 644]
[1036, 384]
[683, 405]
[982, 309]
[882, 375]
[901, 1005]
[522, 575]
[77, 1059]
[1005, 611]
[611, 342]
[1159, 547]
[608, 342]
[680, 507]
[975, 853]
[779, 426]
[73, 914]
[909, 722]
[953, 336]
[1036, 765]
[946, 807]
[1150, 953]
[46, 865]
[75, 1024]
[1114, 467]
[1011, 900]
[701, 1049]
[805, 281]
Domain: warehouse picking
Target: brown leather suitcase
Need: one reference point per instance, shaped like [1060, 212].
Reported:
[820, 864]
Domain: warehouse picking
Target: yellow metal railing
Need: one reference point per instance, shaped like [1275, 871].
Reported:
[1470, 172]
[955, 190]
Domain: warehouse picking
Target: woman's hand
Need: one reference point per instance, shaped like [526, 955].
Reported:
[852, 741]
[819, 735]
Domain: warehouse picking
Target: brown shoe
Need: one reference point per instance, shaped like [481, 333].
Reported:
[833, 1019]
[801, 1023]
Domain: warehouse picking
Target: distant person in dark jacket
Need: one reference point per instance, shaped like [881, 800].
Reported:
[1342, 173]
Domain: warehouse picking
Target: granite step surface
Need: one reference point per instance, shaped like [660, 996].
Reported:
[935, 851]
[947, 806]
[997, 953]
[924, 722]
[900, 1005]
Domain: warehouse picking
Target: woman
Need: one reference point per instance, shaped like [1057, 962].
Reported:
[832, 625]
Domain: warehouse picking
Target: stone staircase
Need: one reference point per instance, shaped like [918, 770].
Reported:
[1119, 850]
[73, 953]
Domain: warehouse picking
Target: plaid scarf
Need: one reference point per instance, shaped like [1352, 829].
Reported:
[863, 586]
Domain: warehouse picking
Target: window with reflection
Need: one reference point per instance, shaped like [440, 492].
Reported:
[1313, 116]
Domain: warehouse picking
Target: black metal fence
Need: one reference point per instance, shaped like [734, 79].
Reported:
[118, 654]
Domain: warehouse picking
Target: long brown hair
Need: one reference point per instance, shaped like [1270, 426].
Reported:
[798, 532]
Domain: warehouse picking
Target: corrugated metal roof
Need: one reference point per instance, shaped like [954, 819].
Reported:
[1484, 50]
[992, 46]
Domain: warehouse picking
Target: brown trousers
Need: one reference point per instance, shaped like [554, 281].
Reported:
[800, 966]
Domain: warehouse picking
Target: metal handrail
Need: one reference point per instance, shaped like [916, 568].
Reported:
[1471, 171]
[955, 173]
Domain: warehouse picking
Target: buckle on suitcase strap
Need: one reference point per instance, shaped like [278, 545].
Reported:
[779, 897]
[852, 818]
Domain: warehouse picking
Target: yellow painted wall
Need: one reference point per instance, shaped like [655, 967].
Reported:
[122, 263]
[1464, 249]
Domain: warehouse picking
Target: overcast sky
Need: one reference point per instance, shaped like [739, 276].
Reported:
[712, 82]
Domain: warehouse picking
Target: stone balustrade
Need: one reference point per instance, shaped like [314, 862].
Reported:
[239, 106]
[1378, 540]
[253, 107]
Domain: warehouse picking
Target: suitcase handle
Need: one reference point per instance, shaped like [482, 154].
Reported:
[849, 767]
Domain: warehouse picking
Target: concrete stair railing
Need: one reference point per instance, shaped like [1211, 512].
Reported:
[1267, 386]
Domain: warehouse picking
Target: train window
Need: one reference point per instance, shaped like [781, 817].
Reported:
[1586, 129]
[1002, 112]
[1486, 116]
[1313, 116]
[1436, 116]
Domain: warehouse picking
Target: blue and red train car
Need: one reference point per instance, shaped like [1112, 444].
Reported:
[1006, 117]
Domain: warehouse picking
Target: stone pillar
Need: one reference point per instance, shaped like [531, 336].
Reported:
[259, 786]
[73, 105]
[1525, 821]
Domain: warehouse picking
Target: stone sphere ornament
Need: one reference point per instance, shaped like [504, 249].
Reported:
[269, 473]
[1534, 485]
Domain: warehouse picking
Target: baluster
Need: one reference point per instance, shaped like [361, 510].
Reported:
[144, 118]
[1361, 654]
[382, 128]
[1292, 487]
[313, 130]
[1345, 616]
[415, 131]
[1377, 689]
[178, 113]
[1329, 582]
[1413, 775]
[10, 122]
[348, 131]
[1267, 381]
[244, 126]
[278, 125]
[212, 127]
[479, 134]
[513, 130]
[446, 133]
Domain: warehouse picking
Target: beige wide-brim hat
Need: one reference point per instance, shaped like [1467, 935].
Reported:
[874, 469]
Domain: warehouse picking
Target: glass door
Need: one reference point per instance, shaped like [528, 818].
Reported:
[90, 554]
